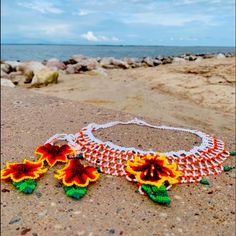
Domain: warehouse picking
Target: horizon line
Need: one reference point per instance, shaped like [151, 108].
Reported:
[113, 45]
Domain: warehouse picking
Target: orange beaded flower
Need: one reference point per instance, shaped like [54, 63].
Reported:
[20, 171]
[54, 153]
[76, 173]
[153, 170]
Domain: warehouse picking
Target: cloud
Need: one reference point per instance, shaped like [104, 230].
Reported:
[42, 7]
[151, 18]
[83, 12]
[90, 36]
[50, 30]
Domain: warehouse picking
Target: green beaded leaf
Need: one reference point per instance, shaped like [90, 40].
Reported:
[75, 191]
[80, 156]
[156, 194]
[98, 169]
[204, 181]
[233, 153]
[26, 186]
[227, 168]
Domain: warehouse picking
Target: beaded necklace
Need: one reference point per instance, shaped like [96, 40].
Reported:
[154, 172]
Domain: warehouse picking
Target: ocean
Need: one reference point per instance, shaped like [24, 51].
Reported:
[63, 52]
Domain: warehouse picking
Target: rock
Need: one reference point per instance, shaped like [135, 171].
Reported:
[6, 68]
[199, 59]
[55, 64]
[207, 56]
[156, 62]
[13, 64]
[44, 77]
[16, 77]
[82, 66]
[33, 66]
[4, 75]
[178, 60]
[7, 83]
[190, 57]
[70, 69]
[166, 60]
[112, 63]
[132, 62]
[14, 220]
[148, 61]
[70, 62]
[220, 56]
[101, 71]
[79, 58]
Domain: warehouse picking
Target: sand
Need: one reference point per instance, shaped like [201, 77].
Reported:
[199, 94]
[113, 205]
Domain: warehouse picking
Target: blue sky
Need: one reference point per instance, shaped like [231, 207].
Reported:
[126, 22]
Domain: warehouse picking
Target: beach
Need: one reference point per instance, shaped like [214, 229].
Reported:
[197, 94]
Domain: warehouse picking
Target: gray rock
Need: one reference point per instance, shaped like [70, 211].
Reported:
[6, 68]
[70, 69]
[178, 60]
[148, 61]
[13, 64]
[79, 58]
[7, 83]
[4, 75]
[55, 64]
[220, 56]
[112, 63]
[33, 66]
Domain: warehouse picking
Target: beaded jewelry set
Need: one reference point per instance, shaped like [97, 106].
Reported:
[153, 172]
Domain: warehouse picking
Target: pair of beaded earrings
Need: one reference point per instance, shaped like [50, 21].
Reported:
[75, 176]
[153, 172]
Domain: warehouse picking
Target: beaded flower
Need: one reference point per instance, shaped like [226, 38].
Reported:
[21, 171]
[77, 174]
[54, 153]
[153, 170]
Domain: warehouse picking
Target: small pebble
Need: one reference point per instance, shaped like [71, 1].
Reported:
[53, 204]
[24, 231]
[112, 231]
[14, 220]
[177, 197]
[5, 190]
[38, 194]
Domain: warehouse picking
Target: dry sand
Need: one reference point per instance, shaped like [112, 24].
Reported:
[113, 206]
[199, 94]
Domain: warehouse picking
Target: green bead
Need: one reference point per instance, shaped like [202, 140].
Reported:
[227, 168]
[98, 169]
[75, 192]
[156, 194]
[80, 156]
[204, 181]
[26, 186]
[233, 153]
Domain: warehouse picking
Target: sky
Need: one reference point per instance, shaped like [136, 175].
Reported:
[119, 22]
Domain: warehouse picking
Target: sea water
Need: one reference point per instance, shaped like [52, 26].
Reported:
[63, 52]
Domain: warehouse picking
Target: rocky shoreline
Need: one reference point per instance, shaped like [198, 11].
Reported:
[36, 74]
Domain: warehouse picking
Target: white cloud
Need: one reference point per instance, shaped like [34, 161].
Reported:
[47, 30]
[82, 12]
[151, 18]
[90, 36]
[42, 7]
